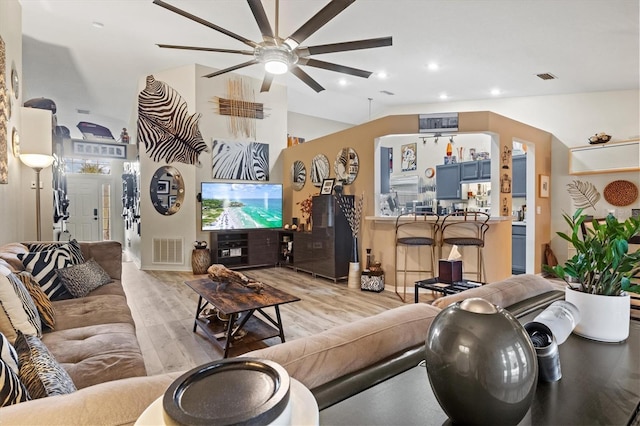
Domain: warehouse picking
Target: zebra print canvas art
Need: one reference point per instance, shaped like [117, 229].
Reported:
[165, 127]
[240, 160]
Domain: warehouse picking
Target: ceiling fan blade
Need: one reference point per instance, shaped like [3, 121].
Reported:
[204, 22]
[266, 83]
[261, 18]
[233, 68]
[306, 78]
[205, 49]
[326, 14]
[334, 67]
[345, 46]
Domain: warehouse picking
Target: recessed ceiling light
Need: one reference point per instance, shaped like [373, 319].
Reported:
[97, 24]
[382, 75]
[433, 66]
[495, 92]
[342, 82]
[443, 96]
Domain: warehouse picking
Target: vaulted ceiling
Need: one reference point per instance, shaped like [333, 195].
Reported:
[89, 55]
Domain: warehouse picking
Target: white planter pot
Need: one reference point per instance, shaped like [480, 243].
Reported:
[602, 318]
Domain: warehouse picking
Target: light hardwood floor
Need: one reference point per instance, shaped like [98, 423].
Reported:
[163, 308]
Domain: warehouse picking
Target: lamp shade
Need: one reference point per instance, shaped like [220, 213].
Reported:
[36, 161]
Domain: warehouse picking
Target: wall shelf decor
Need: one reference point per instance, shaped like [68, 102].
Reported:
[4, 118]
[612, 157]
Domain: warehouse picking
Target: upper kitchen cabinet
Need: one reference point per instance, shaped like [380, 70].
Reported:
[448, 182]
[475, 170]
[519, 167]
[605, 158]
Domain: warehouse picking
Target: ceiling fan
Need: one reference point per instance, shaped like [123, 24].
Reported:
[281, 55]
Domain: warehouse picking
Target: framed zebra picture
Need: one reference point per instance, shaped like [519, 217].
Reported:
[240, 160]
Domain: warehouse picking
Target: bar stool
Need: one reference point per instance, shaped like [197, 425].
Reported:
[466, 229]
[415, 230]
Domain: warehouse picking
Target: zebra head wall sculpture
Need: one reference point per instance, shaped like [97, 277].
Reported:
[165, 127]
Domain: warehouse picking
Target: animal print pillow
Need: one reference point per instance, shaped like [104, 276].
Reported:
[17, 310]
[39, 371]
[82, 279]
[12, 391]
[72, 248]
[43, 265]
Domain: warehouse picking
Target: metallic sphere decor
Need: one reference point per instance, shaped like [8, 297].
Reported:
[481, 364]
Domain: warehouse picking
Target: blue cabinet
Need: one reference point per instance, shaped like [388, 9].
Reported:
[518, 249]
[475, 170]
[519, 176]
[448, 182]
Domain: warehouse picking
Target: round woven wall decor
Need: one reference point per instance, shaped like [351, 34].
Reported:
[620, 193]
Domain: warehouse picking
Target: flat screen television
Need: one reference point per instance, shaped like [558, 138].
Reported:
[240, 206]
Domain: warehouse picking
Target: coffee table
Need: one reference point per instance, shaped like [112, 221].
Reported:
[239, 304]
[445, 289]
[600, 384]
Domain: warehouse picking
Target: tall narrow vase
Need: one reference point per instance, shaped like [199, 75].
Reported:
[355, 257]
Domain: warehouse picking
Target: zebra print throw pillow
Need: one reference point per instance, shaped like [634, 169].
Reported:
[72, 248]
[17, 305]
[40, 299]
[43, 265]
[39, 371]
[82, 279]
[12, 391]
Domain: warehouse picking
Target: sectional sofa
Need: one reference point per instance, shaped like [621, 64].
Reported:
[334, 364]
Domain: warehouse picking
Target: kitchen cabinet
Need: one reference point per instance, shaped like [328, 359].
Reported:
[518, 249]
[475, 170]
[519, 176]
[448, 182]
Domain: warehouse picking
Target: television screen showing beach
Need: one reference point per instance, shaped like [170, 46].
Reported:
[241, 206]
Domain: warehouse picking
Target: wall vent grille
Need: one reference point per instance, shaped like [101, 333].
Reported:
[168, 251]
[386, 92]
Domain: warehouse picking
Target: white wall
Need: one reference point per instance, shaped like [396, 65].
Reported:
[308, 127]
[199, 94]
[13, 222]
[571, 119]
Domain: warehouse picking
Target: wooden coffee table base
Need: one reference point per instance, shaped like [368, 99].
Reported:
[239, 304]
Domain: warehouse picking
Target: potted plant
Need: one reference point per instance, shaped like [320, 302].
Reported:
[599, 274]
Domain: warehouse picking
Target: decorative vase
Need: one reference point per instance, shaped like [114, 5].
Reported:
[481, 364]
[602, 318]
[355, 257]
[353, 279]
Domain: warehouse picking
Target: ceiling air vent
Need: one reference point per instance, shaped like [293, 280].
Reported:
[386, 92]
[546, 76]
[83, 111]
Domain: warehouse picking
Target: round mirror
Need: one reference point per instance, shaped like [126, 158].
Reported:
[167, 190]
[346, 165]
[298, 175]
[319, 169]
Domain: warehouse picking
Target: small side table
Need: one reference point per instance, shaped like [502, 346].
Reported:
[200, 261]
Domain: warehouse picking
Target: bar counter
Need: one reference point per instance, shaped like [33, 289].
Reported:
[380, 237]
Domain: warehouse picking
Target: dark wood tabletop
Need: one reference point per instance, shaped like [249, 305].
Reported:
[233, 298]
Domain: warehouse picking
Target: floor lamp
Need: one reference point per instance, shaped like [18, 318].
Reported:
[37, 162]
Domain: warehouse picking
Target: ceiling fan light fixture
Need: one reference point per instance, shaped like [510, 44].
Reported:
[276, 59]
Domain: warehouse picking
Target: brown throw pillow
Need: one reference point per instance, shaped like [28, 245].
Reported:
[81, 279]
[41, 300]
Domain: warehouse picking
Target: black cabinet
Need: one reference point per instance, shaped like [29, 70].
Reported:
[448, 182]
[518, 249]
[326, 250]
[244, 249]
[519, 167]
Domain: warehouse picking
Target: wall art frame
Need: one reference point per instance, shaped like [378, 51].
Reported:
[327, 186]
[544, 186]
[106, 150]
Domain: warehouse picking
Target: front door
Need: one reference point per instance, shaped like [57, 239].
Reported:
[84, 222]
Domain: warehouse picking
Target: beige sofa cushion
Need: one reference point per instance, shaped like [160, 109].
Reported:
[91, 310]
[119, 402]
[320, 358]
[97, 353]
[503, 293]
